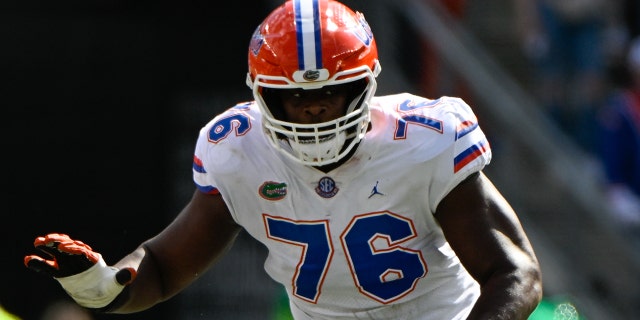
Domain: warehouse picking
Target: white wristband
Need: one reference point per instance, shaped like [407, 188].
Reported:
[95, 287]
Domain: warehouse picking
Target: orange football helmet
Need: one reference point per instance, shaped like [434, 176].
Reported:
[310, 44]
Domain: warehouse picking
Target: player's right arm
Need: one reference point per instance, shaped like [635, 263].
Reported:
[164, 264]
[181, 253]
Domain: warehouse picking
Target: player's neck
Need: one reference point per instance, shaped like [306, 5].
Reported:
[327, 168]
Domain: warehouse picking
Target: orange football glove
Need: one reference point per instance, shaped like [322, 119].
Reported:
[66, 256]
[81, 271]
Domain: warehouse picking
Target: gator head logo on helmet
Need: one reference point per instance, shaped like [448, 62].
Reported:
[311, 75]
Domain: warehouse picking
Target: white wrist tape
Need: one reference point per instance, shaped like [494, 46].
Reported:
[96, 287]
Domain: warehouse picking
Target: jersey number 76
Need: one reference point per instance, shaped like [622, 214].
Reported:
[381, 268]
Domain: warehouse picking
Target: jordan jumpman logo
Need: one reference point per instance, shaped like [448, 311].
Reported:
[375, 191]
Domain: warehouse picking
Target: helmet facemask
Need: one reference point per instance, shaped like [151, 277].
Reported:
[323, 143]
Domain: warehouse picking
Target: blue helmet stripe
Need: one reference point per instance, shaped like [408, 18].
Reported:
[307, 17]
[316, 32]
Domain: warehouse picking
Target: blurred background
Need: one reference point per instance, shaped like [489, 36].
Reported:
[102, 102]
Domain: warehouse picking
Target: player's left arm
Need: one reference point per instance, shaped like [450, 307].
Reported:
[486, 234]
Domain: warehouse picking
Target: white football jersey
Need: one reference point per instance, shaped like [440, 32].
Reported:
[361, 241]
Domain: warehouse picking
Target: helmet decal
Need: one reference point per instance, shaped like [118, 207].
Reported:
[311, 75]
[257, 39]
[365, 34]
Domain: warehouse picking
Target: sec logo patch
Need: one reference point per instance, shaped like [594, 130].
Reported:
[327, 187]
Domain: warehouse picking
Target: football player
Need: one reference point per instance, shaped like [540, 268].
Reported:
[371, 207]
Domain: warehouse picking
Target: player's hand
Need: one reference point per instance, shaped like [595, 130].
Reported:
[81, 271]
[63, 256]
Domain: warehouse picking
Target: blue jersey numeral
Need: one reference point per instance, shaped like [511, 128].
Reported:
[382, 269]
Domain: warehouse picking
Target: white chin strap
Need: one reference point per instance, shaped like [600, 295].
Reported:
[318, 152]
